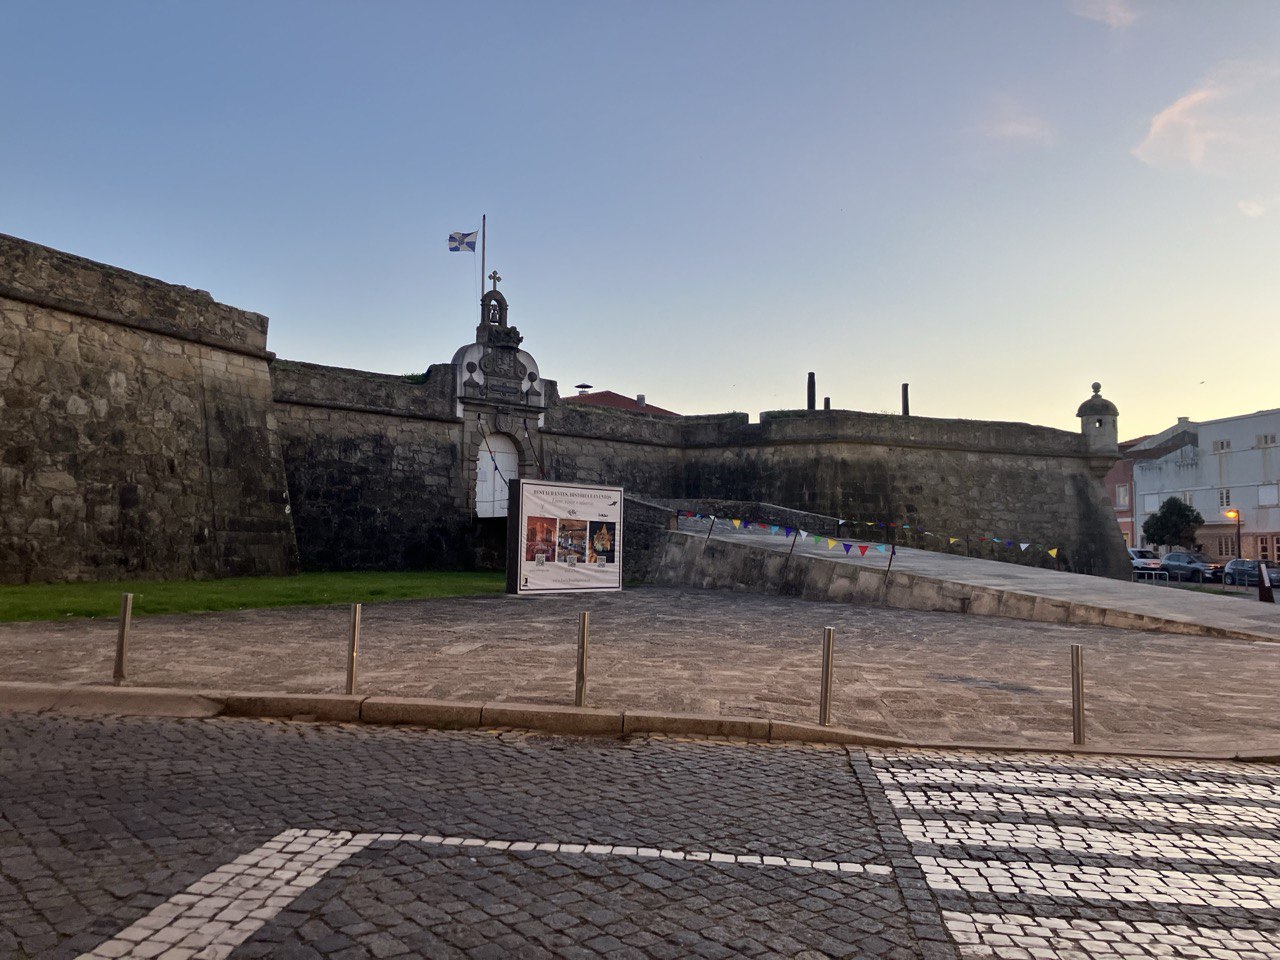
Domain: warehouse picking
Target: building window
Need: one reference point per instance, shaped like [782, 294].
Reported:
[1122, 496]
[1264, 548]
[1226, 546]
[1266, 439]
[1268, 495]
[1224, 497]
[1151, 502]
[1220, 446]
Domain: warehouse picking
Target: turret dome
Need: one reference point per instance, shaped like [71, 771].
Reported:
[1097, 406]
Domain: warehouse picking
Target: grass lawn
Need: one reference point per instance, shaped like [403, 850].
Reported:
[53, 601]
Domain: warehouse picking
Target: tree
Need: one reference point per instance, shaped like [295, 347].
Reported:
[1174, 525]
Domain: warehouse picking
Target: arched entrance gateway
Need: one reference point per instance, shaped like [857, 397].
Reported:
[497, 464]
[501, 400]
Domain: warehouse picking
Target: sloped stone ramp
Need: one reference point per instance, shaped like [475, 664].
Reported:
[757, 561]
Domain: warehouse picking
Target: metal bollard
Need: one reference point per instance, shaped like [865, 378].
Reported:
[353, 649]
[580, 681]
[1077, 693]
[122, 638]
[824, 695]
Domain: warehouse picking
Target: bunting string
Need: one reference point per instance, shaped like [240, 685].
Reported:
[862, 546]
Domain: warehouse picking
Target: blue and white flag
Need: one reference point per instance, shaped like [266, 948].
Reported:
[460, 242]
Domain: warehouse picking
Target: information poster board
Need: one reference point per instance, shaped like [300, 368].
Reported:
[567, 539]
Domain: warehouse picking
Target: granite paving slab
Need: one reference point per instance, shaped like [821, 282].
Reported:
[925, 677]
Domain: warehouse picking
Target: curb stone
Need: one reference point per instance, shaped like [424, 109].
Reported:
[89, 700]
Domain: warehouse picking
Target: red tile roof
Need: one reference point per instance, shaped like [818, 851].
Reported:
[616, 401]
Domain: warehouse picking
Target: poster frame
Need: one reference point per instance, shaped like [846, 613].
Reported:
[515, 536]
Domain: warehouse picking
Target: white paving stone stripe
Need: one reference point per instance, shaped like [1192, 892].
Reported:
[1029, 878]
[1231, 771]
[225, 907]
[1021, 935]
[628, 850]
[1161, 846]
[228, 905]
[923, 802]
[1140, 786]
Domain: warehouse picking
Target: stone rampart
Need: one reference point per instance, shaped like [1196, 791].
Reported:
[136, 429]
[44, 277]
[337, 388]
[963, 478]
[1019, 482]
[639, 452]
[142, 432]
[374, 467]
[781, 427]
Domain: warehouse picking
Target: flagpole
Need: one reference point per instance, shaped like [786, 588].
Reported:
[483, 218]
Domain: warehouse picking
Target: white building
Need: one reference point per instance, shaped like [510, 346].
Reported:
[1217, 466]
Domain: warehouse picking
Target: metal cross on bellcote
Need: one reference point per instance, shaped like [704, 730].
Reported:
[495, 278]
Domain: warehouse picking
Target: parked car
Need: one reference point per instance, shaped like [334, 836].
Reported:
[1245, 572]
[1195, 567]
[1143, 560]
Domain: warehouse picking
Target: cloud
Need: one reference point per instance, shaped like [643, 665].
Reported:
[1011, 122]
[1258, 207]
[1181, 132]
[1116, 14]
[1225, 126]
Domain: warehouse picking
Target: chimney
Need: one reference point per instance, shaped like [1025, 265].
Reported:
[906, 401]
[813, 391]
[639, 399]
[826, 403]
[1183, 421]
[582, 388]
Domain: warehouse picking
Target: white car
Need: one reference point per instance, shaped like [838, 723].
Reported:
[1143, 559]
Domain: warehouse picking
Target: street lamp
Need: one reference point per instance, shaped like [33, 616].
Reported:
[1234, 514]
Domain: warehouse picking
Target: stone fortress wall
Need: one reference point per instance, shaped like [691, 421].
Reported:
[136, 428]
[374, 467]
[150, 438]
[957, 476]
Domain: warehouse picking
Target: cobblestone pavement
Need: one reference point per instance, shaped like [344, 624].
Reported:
[924, 677]
[187, 839]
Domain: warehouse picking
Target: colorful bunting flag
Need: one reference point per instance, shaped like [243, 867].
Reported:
[817, 538]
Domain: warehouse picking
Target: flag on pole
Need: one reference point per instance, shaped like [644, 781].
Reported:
[462, 242]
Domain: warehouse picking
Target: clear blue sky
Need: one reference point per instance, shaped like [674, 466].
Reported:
[700, 201]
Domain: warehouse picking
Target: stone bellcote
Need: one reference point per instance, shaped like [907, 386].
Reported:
[494, 370]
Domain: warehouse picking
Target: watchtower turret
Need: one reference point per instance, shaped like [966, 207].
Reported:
[1098, 423]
